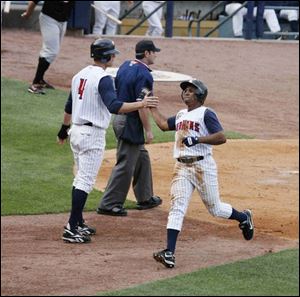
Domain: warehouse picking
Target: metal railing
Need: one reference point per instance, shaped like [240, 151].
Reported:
[130, 10]
[282, 33]
[146, 17]
[199, 20]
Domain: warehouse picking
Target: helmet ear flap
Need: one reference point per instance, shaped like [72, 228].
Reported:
[105, 59]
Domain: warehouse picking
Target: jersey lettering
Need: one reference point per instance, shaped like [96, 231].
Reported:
[187, 125]
[81, 87]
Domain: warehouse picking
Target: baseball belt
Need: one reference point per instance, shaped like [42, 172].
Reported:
[190, 160]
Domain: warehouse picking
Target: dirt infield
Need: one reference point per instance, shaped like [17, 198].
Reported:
[253, 86]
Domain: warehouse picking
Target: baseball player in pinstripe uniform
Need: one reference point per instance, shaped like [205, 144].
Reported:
[53, 24]
[197, 130]
[91, 101]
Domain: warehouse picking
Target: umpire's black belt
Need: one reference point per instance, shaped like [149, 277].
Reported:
[190, 160]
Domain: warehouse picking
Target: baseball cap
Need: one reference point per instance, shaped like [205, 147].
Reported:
[145, 45]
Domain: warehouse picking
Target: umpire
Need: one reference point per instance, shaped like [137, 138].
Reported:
[133, 160]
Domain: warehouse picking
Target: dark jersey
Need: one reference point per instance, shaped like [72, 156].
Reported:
[58, 10]
[131, 78]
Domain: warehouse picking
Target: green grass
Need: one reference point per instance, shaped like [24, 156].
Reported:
[270, 275]
[36, 173]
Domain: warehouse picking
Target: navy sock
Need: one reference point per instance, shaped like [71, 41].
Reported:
[78, 201]
[172, 238]
[238, 216]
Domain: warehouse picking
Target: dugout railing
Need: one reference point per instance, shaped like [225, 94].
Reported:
[282, 33]
[204, 17]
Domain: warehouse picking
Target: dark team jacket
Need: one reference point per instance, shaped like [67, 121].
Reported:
[58, 10]
[131, 78]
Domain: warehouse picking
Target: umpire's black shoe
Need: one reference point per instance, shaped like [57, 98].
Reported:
[116, 211]
[84, 229]
[150, 203]
[247, 226]
[74, 236]
[165, 257]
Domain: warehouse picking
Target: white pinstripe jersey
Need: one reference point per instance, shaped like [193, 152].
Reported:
[191, 123]
[87, 104]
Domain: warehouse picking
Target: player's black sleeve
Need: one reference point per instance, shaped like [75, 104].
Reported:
[108, 94]
[172, 123]
[68, 106]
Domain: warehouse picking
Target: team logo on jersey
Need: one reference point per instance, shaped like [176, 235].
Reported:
[188, 125]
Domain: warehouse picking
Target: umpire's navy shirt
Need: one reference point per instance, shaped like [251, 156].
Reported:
[131, 78]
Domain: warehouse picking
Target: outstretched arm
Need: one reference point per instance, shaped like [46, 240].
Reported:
[160, 120]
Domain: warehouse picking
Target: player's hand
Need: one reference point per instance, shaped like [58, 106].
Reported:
[149, 137]
[190, 141]
[25, 15]
[150, 101]
[61, 141]
[62, 134]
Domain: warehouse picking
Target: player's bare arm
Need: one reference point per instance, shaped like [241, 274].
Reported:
[214, 139]
[29, 11]
[148, 101]
[144, 116]
[160, 120]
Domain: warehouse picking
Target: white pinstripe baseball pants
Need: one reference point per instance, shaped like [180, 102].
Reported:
[202, 176]
[88, 145]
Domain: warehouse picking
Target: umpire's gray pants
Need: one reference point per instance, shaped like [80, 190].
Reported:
[133, 164]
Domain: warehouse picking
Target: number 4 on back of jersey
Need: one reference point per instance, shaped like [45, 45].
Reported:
[81, 87]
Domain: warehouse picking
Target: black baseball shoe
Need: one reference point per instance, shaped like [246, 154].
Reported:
[45, 85]
[247, 226]
[84, 229]
[165, 257]
[74, 236]
[36, 89]
[150, 203]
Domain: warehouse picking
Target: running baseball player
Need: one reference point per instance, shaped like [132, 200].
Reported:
[197, 130]
[91, 101]
[53, 24]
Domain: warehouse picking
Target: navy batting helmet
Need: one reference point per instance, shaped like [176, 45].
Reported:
[201, 89]
[102, 49]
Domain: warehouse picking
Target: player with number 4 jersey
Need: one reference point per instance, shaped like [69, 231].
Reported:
[91, 101]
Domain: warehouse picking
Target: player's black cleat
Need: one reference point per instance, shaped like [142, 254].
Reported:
[74, 236]
[165, 257]
[45, 85]
[247, 226]
[35, 89]
[84, 229]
